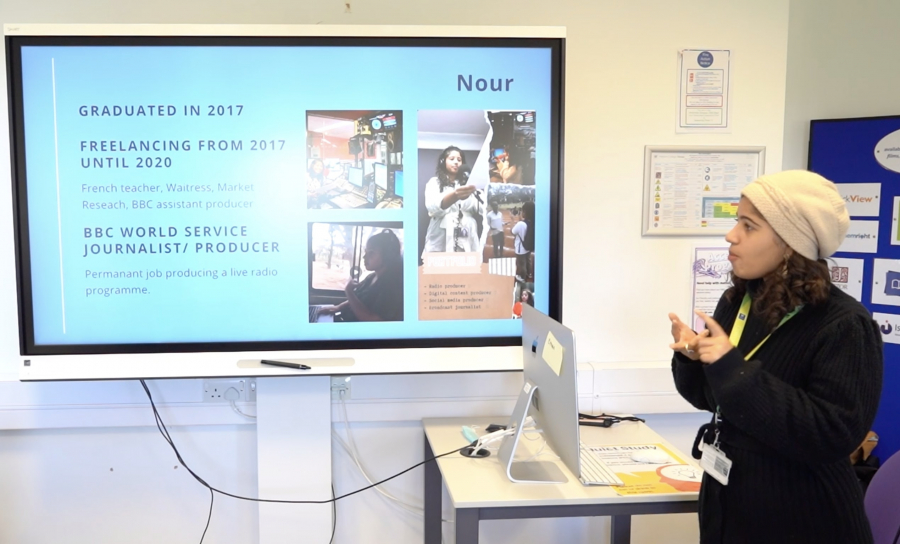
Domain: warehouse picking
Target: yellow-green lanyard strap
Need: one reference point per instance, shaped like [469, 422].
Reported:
[738, 329]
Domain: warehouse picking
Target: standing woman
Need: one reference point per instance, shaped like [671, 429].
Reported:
[452, 207]
[523, 238]
[495, 222]
[791, 368]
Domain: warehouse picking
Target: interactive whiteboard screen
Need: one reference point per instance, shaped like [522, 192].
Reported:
[178, 194]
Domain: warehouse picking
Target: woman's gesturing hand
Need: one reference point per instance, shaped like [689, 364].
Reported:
[712, 347]
[685, 340]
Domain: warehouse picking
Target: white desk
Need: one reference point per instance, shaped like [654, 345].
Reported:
[479, 489]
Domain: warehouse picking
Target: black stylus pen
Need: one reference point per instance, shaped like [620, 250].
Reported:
[298, 366]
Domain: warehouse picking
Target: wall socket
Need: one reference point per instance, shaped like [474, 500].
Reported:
[340, 384]
[217, 390]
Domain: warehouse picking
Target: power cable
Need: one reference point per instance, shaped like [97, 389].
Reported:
[164, 431]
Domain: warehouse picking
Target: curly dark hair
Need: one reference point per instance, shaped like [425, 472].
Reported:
[800, 281]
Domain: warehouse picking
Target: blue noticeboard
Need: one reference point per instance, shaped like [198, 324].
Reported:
[867, 150]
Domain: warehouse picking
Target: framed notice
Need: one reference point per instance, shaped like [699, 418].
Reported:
[694, 190]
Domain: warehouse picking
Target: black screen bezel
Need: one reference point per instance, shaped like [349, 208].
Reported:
[27, 345]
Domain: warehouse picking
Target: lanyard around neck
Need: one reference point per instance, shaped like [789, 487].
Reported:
[738, 329]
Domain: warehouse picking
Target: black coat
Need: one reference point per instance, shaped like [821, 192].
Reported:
[791, 417]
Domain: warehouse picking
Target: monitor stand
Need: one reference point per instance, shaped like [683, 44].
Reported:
[526, 472]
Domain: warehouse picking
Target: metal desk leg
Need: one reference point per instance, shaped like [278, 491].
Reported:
[467, 525]
[620, 530]
[433, 496]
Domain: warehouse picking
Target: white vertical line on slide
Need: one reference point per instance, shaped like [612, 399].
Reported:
[62, 280]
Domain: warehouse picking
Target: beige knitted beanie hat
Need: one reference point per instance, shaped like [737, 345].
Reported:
[804, 208]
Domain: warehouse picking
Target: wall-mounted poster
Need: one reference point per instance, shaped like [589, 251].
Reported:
[694, 190]
[704, 90]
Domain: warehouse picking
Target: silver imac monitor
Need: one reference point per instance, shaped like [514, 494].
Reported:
[549, 395]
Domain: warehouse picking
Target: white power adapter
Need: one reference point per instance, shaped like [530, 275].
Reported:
[232, 394]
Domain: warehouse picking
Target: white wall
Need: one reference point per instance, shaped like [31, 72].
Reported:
[842, 62]
[62, 439]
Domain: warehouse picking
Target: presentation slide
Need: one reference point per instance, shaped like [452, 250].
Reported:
[184, 194]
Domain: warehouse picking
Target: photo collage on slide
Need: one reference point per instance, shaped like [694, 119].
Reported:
[468, 194]
[355, 161]
[476, 224]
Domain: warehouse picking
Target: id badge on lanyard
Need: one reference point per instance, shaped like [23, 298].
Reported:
[713, 460]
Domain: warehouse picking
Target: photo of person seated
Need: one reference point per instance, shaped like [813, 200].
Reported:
[355, 159]
[455, 209]
[375, 294]
[317, 186]
[512, 147]
[502, 170]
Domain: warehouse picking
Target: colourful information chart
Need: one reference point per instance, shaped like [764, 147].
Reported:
[695, 191]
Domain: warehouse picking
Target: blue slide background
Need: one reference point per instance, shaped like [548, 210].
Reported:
[843, 151]
[275, 86]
